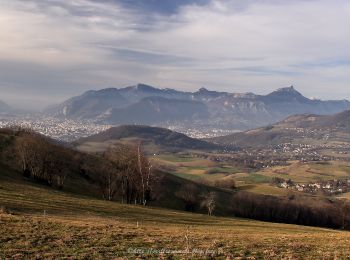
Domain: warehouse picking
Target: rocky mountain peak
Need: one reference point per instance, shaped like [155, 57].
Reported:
[203, 90]
[290, 90]
[289, 93]
[145, 88]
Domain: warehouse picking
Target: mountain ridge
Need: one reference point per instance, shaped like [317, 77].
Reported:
[161, 137]
[319, 128]
[240, 111]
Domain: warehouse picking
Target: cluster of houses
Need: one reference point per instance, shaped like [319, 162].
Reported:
[329, 187]
[60, 129]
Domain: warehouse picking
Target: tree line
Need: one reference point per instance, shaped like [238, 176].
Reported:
[122, 172]
[291, 209]
[42, 160]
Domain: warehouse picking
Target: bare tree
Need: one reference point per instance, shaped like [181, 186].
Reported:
[188, 193]
[137, 178]
[141, 171]
[109, 180]
[33, 154]
[145, 173]
[345, 210]
[209, 201]
[41, 159]
[22, 150]
[104, 173]
[125, 163]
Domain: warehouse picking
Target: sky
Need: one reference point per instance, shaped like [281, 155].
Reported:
[51, 50]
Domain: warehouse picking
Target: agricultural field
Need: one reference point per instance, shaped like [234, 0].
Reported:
[38, 222]
[205, 170]
[195, 168]
[309, 172]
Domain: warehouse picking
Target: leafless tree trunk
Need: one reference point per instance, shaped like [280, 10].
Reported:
[136, 175]
[139, 159]
[188, 193]
[209, 202]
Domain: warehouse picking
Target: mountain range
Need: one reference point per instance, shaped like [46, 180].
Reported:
[143, 104]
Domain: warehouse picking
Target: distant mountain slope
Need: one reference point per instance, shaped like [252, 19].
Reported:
[89, 105]
[143, 104]
[140, 91]
[4, 107]
[307, 127]
[151, 110]
[149, 135]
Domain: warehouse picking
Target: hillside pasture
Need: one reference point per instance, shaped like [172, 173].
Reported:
[38, 222]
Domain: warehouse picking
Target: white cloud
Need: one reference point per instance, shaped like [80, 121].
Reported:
[225, 45]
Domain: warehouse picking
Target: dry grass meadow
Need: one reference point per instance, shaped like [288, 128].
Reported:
[37, 222]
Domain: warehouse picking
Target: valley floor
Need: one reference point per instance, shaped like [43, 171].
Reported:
[37, 222]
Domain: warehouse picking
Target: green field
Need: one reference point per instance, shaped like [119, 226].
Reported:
[175, 158]
[38, 222]
[199, 169]
[194, 168]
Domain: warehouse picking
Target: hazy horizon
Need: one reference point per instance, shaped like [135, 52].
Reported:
[53, 50]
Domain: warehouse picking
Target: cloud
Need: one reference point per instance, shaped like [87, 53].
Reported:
[61, 48]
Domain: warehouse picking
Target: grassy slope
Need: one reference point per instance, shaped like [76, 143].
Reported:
[78, 226]
[309, 172]
[193, 168]
[154, 139]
